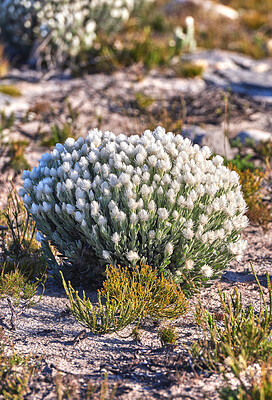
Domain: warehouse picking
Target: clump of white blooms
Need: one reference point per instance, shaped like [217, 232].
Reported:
[152, 198]
[57, 30]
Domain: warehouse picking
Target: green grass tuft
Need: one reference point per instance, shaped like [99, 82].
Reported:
[10, 90]
[242, 332]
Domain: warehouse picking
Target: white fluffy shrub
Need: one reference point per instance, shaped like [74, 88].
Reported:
[152, 198]
[57, 30]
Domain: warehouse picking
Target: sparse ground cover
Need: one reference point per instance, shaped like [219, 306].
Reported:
[148, 360]
[137, 365]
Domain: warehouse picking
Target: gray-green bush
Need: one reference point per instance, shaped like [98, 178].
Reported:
[153, 198]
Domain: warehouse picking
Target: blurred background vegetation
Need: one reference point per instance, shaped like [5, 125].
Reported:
[157, 33]
[151, 36]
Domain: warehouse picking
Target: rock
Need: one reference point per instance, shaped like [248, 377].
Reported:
[218, 9]
[240, 73]
[211, 7]
[254, 134]
[215, 139]
[240, 277]
[15, 105]
[162, 87]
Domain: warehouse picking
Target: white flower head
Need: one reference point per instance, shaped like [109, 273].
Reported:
[85, 185]
[169, 248]
[115, 238]
[145, 191]
[188, 233]
[94, 208]
[102, 221]
[143, 215]
[163, 214]
[136, 180]
[157, 178]
[175, 214]
[189, 264]
[133, 218]
[132, 256]
[106, 255]
[70, 208]
[69, 142]
[46, 207]
[140, 159]
[146, 176]
[206, 271]
[152, 206]
[79, 216]
[203, 219]
[121, 216]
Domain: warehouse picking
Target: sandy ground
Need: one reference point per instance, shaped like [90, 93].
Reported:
[142, 370]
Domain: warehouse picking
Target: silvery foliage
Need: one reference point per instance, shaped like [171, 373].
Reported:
[59, 29]
[152, 198]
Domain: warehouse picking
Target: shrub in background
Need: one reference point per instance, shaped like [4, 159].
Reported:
[254, 190]
[56, 31]
[154, 197]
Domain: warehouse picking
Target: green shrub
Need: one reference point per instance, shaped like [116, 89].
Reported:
[255, 382]
[188, 70]
[160, 296]
[67, 388]
[263, 150]
[59, 131]
[6, 121]
[58, 134]
[15, 285]
[100, 319]
[4, 65]
[168, 336]
[16, 371]
[129, 297]
[253, 188]
[19, 248]
[241, 331]
[10, 90]
[241, 163]
[144, 49]
[16, 151]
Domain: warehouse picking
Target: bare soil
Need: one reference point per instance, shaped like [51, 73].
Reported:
[141, 370]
